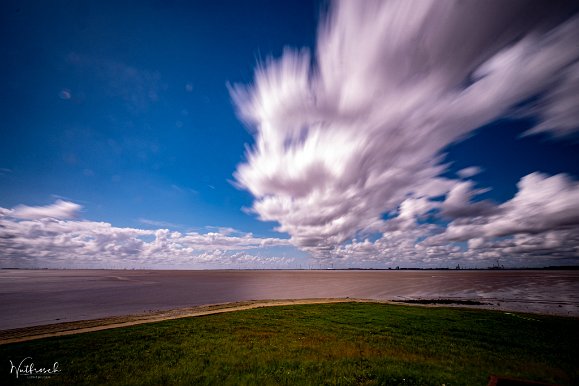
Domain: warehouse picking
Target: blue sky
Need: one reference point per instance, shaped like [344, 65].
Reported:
[242, 125]
[124, 108]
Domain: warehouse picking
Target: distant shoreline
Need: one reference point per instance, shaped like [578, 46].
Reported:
[549, 268]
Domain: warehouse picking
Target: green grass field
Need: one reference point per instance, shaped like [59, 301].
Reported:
[342, 344]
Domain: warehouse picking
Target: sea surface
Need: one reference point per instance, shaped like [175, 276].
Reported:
[37, 297]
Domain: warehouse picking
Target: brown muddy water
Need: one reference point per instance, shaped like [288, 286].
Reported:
[37, 297]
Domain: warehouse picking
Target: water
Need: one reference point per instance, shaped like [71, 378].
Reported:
[36, 297]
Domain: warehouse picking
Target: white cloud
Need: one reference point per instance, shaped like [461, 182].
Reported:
[458, 202]
[540, 225]
[360, 133]
[519, 249]
[60, 209]
[560, 112]
[469, 172]
[38, 236]
[411, 208]
[541, 204]
[541, 221]
[157, 223]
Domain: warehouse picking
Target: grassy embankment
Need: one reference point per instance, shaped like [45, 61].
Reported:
[347, 343]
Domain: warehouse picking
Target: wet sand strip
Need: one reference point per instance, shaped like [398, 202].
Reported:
[78, 327]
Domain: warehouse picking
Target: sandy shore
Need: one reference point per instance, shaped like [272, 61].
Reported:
[78, 327]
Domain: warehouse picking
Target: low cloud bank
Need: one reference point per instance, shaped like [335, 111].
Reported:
[47, 237]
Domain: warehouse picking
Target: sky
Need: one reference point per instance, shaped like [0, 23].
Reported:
[288, 134]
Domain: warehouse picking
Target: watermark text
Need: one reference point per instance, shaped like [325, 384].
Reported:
[27, 368]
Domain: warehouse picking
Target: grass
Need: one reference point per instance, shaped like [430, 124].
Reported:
[337, 344]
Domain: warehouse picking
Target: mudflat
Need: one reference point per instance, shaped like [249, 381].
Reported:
[41, 297]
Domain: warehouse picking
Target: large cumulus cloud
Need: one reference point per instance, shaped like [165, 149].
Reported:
[356, 137]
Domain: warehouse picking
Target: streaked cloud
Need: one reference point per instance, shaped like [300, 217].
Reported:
[540, 223]
[65, 94]
[542, 204]
[59, 210]
[349, 141]
[359, 134]
[458, 202]
[469, 172]
[157, 223]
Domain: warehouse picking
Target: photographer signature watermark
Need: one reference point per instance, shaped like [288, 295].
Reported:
[27, 369]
